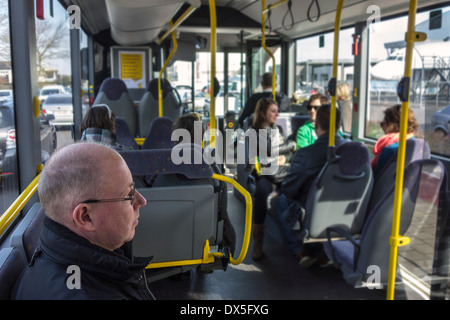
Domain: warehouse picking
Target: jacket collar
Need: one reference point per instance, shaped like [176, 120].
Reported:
[66, 247]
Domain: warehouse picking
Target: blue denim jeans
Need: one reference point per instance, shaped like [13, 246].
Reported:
[288, 214]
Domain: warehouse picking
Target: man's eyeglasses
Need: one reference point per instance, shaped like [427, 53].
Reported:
[130, 197]
[313, 107]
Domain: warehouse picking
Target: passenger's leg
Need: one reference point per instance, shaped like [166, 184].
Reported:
[263, 188]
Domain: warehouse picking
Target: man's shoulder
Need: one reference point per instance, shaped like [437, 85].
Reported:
[44, 279]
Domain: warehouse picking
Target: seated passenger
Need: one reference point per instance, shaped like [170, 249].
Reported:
[99, 125]
[305, 166]
[229, 236]
[386, 146]
[266, 114]
[306, 134]
[92, 208]
[283, 101]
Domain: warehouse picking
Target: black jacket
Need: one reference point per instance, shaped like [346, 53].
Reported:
[104, 274]
[305, 166]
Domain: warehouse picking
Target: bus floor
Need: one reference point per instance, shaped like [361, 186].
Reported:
[275, 277]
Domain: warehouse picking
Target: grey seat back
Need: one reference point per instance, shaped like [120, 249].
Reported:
[114, 93]
[148, 108]
[26, 236]
[11, 266]
[340, 194]
[416, 149]
[179, 216]
[373, 248]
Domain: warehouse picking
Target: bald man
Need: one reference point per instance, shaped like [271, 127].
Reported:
[92, 207]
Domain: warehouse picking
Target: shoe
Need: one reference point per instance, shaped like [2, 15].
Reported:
[325, 262]
[305, 260]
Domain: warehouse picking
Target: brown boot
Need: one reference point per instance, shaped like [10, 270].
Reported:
[258, 236]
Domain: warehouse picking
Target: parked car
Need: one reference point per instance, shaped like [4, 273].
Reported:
[50, 90]
[8, 158]
[6, 95]
[60, 107]
[441, 121]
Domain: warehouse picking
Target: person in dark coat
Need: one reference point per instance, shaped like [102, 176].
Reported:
[84, 250]
[305, 166]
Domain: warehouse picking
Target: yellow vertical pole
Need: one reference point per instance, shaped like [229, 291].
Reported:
[332, 85]
[174, 48]
[403, 90]
[263, 43]
[212, 111]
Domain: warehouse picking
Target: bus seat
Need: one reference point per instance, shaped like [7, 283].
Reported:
[296, 122]
[124, 135]
[159, 134]
[178, 218]
[156, 161]
[354, 257]
[114, 93]
[301, 108]
[11, 267]
[148, 108]
[416, 149]
[340, 194]
[26, 236]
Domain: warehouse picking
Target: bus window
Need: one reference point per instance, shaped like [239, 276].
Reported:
[314, 67]
[8, 157]
[429, 91]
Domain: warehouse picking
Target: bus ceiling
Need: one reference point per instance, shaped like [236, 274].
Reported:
[141, 22]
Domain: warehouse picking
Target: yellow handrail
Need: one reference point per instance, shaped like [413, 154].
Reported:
[273, 6]
[248, 216]
[183, 17]
[208, 257]
[174, 48]
[337, 23]
[396, 240]
[212, 99]
[263, 43]
[11, 213]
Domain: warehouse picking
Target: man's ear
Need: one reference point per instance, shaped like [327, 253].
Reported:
[81, 215]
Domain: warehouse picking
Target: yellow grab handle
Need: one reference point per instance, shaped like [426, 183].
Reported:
[248, 216]
[172, 52]
[263, 43]
[396, 240]
[337, 24]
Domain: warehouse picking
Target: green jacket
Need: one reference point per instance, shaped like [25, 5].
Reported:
[306, 135]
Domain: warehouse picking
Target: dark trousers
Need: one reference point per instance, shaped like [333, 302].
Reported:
[263, 189]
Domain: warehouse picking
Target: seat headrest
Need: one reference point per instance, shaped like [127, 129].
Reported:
[113, 88]
[159, 134]
[352, 156]
[189, 161]
[166, 87]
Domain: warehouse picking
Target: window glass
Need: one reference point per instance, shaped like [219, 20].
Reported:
[9, 185]
[54, 74]
[429, 93]
[314, 69]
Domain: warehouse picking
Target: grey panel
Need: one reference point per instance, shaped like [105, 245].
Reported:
[176, 222]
